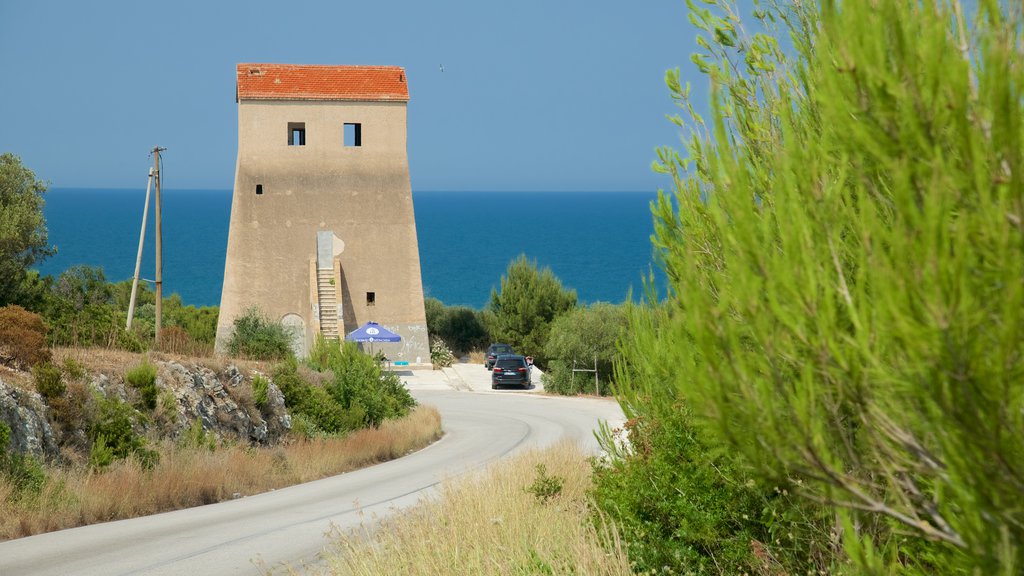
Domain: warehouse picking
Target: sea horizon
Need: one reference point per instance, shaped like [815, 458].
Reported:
[596, 242]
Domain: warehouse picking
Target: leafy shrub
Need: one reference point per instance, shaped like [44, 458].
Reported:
[73, 368]
[529, 300]
[197, 437]
[113, 435]
[143, 379]
[581, 336]
[686, 507]
[256, 336]
[48, 380]
[313, 402]
[545, 487]
[360, 384]
[462, 328]
[22, 338]
[260, 388]
[440, 355]
[23, 471]
[843, 243]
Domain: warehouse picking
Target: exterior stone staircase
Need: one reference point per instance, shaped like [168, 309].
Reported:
[328, 296]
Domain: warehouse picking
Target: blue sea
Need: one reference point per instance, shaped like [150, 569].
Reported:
[597, 243]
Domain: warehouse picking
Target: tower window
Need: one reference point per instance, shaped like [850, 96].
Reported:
[296, 133]
[371, 298]
[353, 135]
[259, 189]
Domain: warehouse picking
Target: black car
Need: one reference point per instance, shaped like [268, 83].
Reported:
[492, 353]
[510, 370]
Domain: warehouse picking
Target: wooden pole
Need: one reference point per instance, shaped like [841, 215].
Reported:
[138, 257]
[159, 280]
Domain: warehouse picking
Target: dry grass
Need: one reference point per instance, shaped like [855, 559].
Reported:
[188, 477]
[492, 524]
[477, 357]
[111, 361]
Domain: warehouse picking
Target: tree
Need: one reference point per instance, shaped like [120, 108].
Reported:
[581, 336]
[23, 240]
[527, 303]
[844, 251]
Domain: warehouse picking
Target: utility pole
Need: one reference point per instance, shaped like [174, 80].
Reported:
[138, 258]
[159, 280]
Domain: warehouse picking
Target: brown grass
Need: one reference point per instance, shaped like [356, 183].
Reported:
[477, 357]
[492, 524]
[188, 477]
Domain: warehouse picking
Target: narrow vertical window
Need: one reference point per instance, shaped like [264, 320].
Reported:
[371, 298]
[296, 133]
[353, 135]
[259, 189]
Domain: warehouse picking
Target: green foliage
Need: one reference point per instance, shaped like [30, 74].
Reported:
[686, 504]
[73, 368]
[143, 379]
[462, 328]
[22, 471]
[48, 380]
[80, 309]
[440, 355]
[260, 388]
[196, 437]
[256, 336]
[844, 251]
[529, 300]
[360, 385]
[22, 338]
[23, 236]
[545, 487]
[113, 435]
[313, 402]
[581, 336]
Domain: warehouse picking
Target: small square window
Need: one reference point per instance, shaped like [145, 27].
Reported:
[259, 189]
[353, 135]
[371, 298]
[296, 133]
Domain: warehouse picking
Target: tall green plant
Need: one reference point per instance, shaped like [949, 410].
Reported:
[528, 301]
[844, 247]
[23, 237]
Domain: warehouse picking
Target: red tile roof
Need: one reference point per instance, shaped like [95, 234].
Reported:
[307, 82]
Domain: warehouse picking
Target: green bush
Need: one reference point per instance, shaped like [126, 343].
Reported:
[462, 328]
[197, 437]
[24, 472]
[143, 379]
[48, 380]
[844, 250]
[256, 336]
[313, 402]
[529, 300]
[577, 338]
[260, 389]
[113, 435]
[360, 384]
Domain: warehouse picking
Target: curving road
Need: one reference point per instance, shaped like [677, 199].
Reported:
[252, 534]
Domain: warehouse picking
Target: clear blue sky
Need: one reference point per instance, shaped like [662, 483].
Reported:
[535, 94]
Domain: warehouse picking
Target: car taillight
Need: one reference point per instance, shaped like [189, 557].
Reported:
[521, 370]
[496, 369]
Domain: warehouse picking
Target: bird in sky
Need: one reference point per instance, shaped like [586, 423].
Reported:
[441, 66]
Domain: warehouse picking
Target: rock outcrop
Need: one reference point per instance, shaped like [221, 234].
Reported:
[222, 402]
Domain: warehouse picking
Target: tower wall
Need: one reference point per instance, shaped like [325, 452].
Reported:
[360, 193]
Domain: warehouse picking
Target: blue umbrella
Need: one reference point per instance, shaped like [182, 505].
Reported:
[372, 332]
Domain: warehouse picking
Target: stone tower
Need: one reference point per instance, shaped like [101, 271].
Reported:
[322, 236]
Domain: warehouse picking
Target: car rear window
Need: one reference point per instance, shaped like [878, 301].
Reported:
[510, 363]
[503, 350]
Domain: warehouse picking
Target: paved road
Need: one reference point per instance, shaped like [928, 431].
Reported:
[249, 535]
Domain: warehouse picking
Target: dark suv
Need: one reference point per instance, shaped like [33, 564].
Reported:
[510, 370]
[492, 353]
